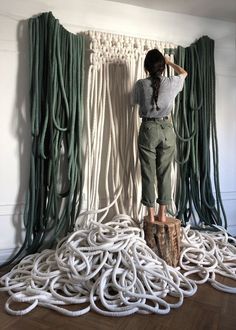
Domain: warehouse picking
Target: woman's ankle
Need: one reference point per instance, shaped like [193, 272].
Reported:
[151, 214]
[161, 218]
[162, 213]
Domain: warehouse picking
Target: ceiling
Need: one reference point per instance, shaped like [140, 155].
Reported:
[217, 9]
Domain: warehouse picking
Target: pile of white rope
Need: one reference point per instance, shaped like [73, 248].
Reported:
[107, 268]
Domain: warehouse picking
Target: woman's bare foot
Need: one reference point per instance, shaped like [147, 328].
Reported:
[162, 213]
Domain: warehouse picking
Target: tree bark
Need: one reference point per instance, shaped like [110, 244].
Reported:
[164, 239]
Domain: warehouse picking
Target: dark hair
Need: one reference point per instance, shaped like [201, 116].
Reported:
[154, 63]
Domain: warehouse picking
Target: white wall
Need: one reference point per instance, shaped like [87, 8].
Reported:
[77, 15]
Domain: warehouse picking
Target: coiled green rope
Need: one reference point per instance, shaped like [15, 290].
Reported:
[197, 148]
[56, 93]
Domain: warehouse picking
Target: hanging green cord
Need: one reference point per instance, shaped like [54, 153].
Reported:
[54, 195]
[195, 113]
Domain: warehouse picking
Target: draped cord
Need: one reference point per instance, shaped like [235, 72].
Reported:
[197, 146]
[54, 194]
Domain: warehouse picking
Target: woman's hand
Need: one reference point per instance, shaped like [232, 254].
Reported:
[176, 67]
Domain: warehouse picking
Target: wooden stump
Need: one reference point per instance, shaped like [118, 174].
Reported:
[164, 239]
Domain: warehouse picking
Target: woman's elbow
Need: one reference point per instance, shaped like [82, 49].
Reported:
[184, 73]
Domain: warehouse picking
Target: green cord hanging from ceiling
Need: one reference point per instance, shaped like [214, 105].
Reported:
[197, 147]
[56, 93]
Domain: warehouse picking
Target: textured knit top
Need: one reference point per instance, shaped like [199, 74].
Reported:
[169, 89]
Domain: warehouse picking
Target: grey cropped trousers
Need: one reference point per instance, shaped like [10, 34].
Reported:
[156, 144]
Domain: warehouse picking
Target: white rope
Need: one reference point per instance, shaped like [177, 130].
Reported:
[111, 269]
[106, 263]
[208, 254]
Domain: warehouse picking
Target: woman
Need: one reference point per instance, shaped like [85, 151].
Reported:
[156, 141]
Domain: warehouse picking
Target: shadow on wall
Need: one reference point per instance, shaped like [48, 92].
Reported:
[21, 128]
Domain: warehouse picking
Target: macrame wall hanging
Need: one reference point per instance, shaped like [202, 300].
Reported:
[111, 122]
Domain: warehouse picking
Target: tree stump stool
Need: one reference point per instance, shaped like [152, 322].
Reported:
[164, 239]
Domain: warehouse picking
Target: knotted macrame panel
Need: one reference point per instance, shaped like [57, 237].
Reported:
[111, 123]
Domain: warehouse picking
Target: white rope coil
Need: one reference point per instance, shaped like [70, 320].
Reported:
[108, 267]
[208, 254]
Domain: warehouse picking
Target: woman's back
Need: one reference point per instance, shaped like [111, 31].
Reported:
[168, 90]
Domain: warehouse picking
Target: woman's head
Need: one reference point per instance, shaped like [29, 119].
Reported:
[154, 62]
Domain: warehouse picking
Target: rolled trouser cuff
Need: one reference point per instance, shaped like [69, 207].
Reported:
[164, 202]
[147, 203]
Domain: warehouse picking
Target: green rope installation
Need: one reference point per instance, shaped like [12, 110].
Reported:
[197, 147]
[56, 92]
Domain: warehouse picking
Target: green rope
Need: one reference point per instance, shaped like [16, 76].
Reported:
[195, 126]
[56, 94]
